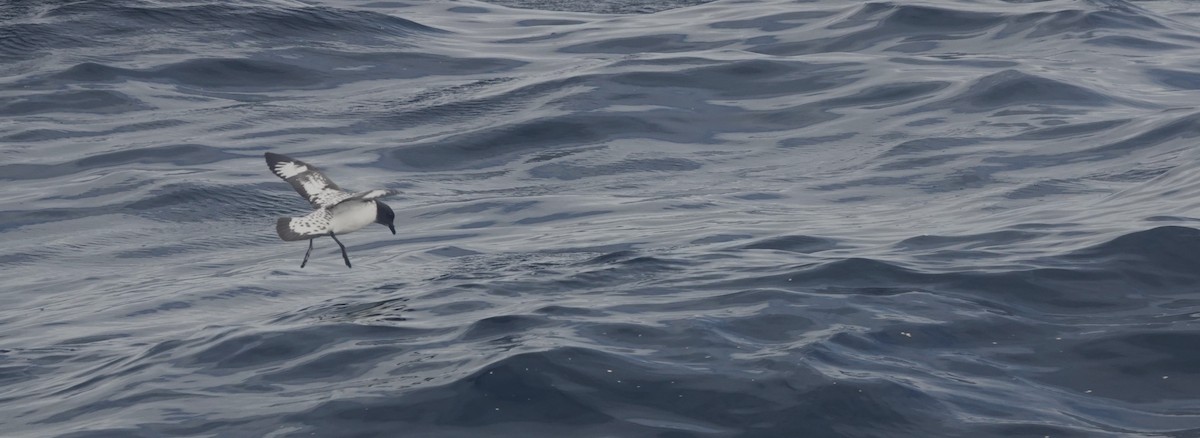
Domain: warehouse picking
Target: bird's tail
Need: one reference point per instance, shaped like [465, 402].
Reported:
[283, 226]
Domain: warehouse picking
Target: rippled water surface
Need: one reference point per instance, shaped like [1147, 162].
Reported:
[757, 218]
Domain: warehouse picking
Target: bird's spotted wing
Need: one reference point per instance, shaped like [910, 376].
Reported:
[313, 185]
[315, 224]
[371, 195]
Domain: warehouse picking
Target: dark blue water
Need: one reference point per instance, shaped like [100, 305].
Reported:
[762, 218]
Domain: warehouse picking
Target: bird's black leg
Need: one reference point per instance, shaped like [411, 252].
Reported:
[305, 262]
[345, 256]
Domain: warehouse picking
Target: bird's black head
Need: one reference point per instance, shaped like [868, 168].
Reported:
[384, 215]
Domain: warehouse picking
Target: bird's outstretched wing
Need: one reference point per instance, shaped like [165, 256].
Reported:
[315, 224]
[371, 195]
[313, 185]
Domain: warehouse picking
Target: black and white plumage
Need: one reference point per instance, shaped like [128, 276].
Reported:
[337, 211]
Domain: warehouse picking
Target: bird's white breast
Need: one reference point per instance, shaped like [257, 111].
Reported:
[351, 216]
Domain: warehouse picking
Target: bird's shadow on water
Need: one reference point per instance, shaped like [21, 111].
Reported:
[386, 311]
[476, 280]
[383, 243]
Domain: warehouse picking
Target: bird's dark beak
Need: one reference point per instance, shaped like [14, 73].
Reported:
[392, 227]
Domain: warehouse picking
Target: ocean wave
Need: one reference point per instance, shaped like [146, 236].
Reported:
[683, 218]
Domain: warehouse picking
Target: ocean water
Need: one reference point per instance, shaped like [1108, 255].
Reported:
[738, 218]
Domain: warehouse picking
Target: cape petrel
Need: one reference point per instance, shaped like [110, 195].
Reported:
[338, 211]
